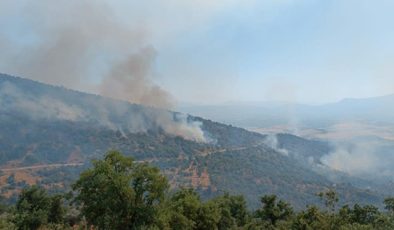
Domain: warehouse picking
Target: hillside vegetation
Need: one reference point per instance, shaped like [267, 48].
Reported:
[61, 130]
[119, 193]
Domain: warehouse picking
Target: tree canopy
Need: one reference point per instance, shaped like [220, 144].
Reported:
[119, 193]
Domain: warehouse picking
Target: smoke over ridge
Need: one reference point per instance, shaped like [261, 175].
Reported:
[75, 43]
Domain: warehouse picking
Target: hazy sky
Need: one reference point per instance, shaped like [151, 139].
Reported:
[310, 51]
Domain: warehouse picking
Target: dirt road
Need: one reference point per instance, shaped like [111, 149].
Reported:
[40, 167]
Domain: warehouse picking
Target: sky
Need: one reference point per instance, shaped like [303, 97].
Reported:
[208, 52]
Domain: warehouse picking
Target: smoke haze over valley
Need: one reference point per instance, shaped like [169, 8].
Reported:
[247, 97]
[361, 131]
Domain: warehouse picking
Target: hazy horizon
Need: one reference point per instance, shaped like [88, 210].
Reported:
[180, 103]
[197, 114]
[199, 52]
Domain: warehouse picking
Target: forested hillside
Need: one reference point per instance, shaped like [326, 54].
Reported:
[58, 131]
[119, 193]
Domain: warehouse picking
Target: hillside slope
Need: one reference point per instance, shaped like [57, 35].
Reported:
[45, 125]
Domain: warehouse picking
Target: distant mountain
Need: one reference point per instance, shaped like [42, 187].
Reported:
[267, 114]
[59, 131]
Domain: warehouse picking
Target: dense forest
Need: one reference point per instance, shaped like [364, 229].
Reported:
[120, 193]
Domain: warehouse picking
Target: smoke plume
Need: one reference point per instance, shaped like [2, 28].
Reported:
[366, 158]
[129, 81]
[271, 141]
[84, 46]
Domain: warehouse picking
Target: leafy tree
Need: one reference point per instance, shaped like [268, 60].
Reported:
[188, 212]
[184, 208]
[5, 223]
[356, 226]
[4, 216]
[32, 208]
[367, 214]
[56, 210]
[310, 219]
[117, 193]
[330, 199]
[234, 211]
[120, 194]
[11, 180]
[344, 215]
[274, 210]
[208, 216]
[3, 206]
[389, 204]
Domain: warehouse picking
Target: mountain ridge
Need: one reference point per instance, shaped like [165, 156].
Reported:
[234, 160]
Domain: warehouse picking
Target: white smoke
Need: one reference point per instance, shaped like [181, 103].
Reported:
[364, 159]
[110, 114]
[43, 107]
[271, 141]
[77, 40]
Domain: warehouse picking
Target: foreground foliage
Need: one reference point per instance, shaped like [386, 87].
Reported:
[118, 193]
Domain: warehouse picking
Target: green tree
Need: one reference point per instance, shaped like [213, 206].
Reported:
[5, 223]
[3, 206]
[330, 199]
[367, 214]
[389, 204]
[184, 207]
[233, 210]
[4, 215]
[11, 179]
[118, 193]
[274, 210]
[208, 216]
[56, 210]
[345, 215]
[188, 212]
[32, 208]
[310, 219]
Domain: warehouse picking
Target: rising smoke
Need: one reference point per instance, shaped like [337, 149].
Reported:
[128, 81]
[14, 99]
[366, 158]
[271, 141]
[75, 43]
